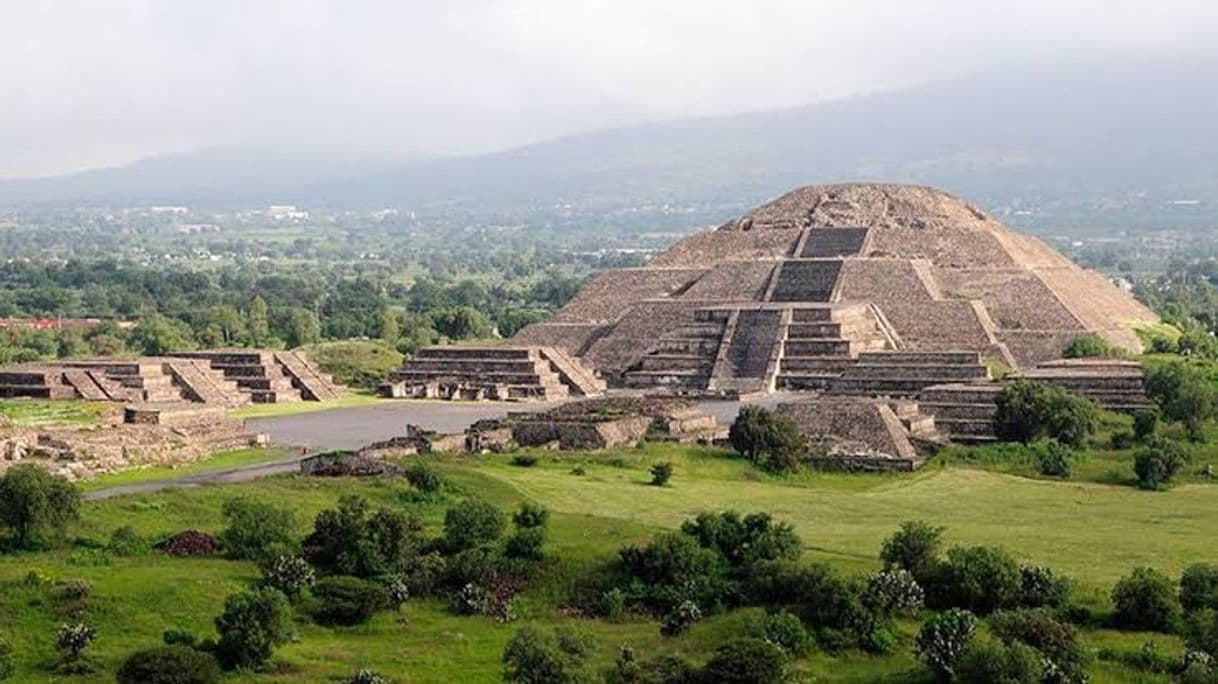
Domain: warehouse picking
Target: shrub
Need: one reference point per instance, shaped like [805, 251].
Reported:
[424, 478]
[943, 640]
[987, 662]
[36, 506]
[471, 523]
[533, 657]
[530, 515]
[894, 591]
[1201, 631]
[673, 569]
[786, 631]
[253, 623]
[74, 590]
[525, 460]
[1199, 587]
[343, 600]
[526, 544]
[369, 677]
[1145, 600]
[1039, 586]
[746, 661]
[1158, 462]
[1054, 458]
[840, 612]
[354, 540]
[914, 547]
[190, 543]
[612, 604]
[74, 638]
[126, 542]
[1092, 346]
[679, 618]
[661, 473]
[1183, 393]
[6, 660]
[1030, 410]
[981, 579]
[773, 442]
[169, 665]
[1145, 424]
[744, 541]
[257, 530]
[1053, 639]
[497, 601]
[291, 575]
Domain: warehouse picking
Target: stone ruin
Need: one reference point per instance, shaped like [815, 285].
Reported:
[503, 373]
[857, 433]
[605, 423]
[232, 377]
[142, 435]
[868, 290]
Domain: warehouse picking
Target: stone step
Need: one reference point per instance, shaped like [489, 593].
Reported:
[960, 393]
[408, 374]
[9, 391]
[945, 373]
[661, 362]
[806, 381]
[834, 364]
[957, 427]
[701, 345]
[959, 410]
[921, 357]
[825, 347]
[460, 353]
[883, 386]
[472, 366]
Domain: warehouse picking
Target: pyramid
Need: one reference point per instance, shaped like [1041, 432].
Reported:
[824, 282]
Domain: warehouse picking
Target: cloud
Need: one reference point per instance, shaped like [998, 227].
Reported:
[89, 83]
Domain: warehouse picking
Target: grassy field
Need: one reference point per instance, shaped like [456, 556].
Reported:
[225, 460]
[1092, 531]
[47, 413]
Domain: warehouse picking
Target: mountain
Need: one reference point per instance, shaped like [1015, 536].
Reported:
[1083, 142]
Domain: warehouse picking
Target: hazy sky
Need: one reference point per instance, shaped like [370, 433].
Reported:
[99, 82]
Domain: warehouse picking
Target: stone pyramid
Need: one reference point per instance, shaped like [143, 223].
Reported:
[797, 291]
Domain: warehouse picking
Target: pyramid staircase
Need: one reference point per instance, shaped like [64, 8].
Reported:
[256, 373]
[308, 378]
[502, 373]
[1113, 384]
[684, 358]
[821, 342]
[904, 373]
[201, 383]
[963, 411]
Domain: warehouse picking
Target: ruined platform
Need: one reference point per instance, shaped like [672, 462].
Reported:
[855, 433]
[501, 373]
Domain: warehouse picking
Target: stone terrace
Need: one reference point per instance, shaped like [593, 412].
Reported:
[499, 373]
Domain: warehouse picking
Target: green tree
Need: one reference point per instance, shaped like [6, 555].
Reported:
[253, 623]
[914, 547]
[1146, 600]
[1183, 393]
[387, 327]
[169, 665]
[1158, 462]
[773, 442]
[535, 657]
[256, 530]
[746, 661]
[352, 539]
[258, 329]
[156, 335]
[36, 506]
[472, 523]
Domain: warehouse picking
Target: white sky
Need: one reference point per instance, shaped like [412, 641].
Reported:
[99, 82]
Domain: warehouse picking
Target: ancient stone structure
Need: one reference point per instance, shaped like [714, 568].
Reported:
[139, 435]
[506, 373]
[800, 292]
[855, 433]
[223, 378]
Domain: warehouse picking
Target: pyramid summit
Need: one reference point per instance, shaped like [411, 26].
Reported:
[793, 294]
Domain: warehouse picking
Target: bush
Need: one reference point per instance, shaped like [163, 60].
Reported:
[253, 623]
[354, 540]
[661, 473]
[525, 460]
[612, 604]
[981, 579]
[894, 591]
[1030, 410]
[1056, 641]
[680, 618]
[471, 523]
[1183, 393]
[1145, 424]
[914, 547]
[424, 478]
[1092, 346]
[1199, 587]
[771, 441]
[535, 657]
[746, 661]
[842, 613]
[1040, 587]
[1201, 631]
[743, 542]
[343, 600]
[1158, 462]
[126, 542]
[943, 640]
[356, 363]
[369, 677]
[74, 590]
[787, 632]
[531, 515]
[1145, 600]
[36, 506]
[673, 569]
[257, 531]
[6, 660]
[987, 662]
[169, 665]
[1054, 458]
[190, 543]
[291, 575]
[526, 544]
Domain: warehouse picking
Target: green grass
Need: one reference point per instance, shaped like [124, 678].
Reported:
[225, 460]
[49, 413]
[353, 398]
[1091, 531]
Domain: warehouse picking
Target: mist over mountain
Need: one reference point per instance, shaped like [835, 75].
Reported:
[1081, 145]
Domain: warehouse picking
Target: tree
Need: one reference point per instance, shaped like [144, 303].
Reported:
[471, 523]
[1027, 411]
[461, 323]
[169, 665]
[1145, 600]
[301, 328]
[1157, 463]
[36, 506]
[1183, 393]
[746, 661]
[773, 442]
[387, 327]
[291, 575]
[673, 569]
[535, 657]
[988, 662]
[1091, 346]
[1054, 640]
[981, 579]
[343, 600]
[914, 547]
[943, 640]
[257, 530]
[352, 539]
[157, 335]
[257, 324]
[253, 623]
[1199, 587]
[661, 473]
